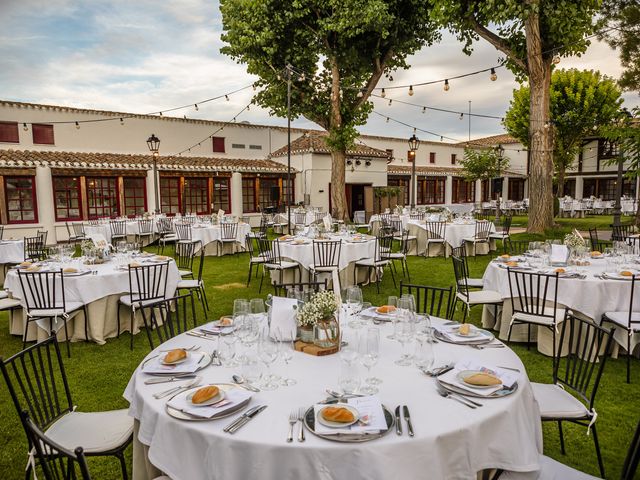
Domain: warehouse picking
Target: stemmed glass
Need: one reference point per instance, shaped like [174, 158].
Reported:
[405, 329]
[227, 350]
[369, 348]
[268, 354]
[354, 306]
[349, 379]
[393, 302]
[287, 347]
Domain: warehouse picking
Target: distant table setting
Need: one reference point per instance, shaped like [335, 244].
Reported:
[205, 403]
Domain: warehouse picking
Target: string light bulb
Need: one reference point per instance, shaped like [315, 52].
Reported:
[410, 90]
[196, 106]
[556, 60]
[302, 77]
[461, 116]
[160, 113]
[24, 127]
[390, 102]
[424, 109]
[383, 93]
[387, 119]
[77, 126]
[226, 97]
[121, 121]
[446, 85]
[494, 75]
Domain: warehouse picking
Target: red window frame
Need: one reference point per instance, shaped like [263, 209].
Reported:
[432, 157]
[221, 194]
[218, 144]
[431, 190]
[249, 195]
[24, 199]
[170, 201]
[196, 195]
[99, 190]
[463, 190]
[454, 157]
[42, 134]
[9, 132]
[264, 195]
[66, 192]
[135, 195]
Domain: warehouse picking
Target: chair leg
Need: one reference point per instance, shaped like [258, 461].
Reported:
[377, 277]
[193, 309]
[132, 315]
[628, 359]
[123, 465]
[261, 279]
[509, 333]
[118, 316]
[466, 308]
[86, 323]
[393, 278]
[204, 296]
[561, 437]
[406, 265]
[250, 269]
[598, 453]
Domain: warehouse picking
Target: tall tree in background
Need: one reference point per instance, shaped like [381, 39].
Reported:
[531, 33]
[581, 102]
[623, 16]
[339, 50]
[483, 164]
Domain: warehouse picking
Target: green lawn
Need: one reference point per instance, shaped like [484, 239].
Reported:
[99, 374]
[565, 225]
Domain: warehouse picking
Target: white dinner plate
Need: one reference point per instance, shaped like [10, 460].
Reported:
[473, 333]
[212, 401]
[467, 373]
[330, 424]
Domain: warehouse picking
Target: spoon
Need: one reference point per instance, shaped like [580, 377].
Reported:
[238, 380]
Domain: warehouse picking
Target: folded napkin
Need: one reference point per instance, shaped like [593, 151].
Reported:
[216, 329]
[328, 223]
[508, 377]
[232, 398]
[283, 324]
[372, 313]
[450, 333]
[369, 406]
[559, 254]
[188, 366]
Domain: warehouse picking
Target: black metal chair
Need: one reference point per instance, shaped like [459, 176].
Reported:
[380, 259]
[37, 383]
[228, 235]
[147, 289]
[515, 247]
[620, 232]
[45, 302]
[118, 231]
[285, 288]
[435, 235]
[576, 377]
[166, 233]
[1, 231]
[482, 231]
[469, 297]
[164, 320]
[270, 250]
[596, 243]
[534, 301]
[145, 231]
[254, 259]
[503, 234]
[183, 232]
[431, 300]
[196, 286]
[629, 320]
[472, 282]
[300, 219]
[75, 232]
[401, 254]
[326, 257]
[34, 249]
[184, 255]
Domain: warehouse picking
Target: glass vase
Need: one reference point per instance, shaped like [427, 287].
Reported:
[326, 333]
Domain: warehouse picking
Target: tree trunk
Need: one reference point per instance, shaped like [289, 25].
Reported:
[541, 138]
[339, 208]
[560, 192]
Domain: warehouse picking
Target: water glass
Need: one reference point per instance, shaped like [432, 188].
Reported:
[369, 349]
[227, 350]
[268, 354]
[287, 347]
[424, 357]
[405, 329]
[393, 301]
[349, 380]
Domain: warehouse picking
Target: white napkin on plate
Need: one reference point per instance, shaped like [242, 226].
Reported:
[216, 329]
[508, 377]
[559, 254]
[369, 406]
[190, 365]
[283, 324]
[450, 332]
[234, 396]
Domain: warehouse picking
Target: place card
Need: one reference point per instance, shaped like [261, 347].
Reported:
[283, 325]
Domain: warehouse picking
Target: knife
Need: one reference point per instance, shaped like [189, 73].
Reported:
[251, 411]
[246, 420]
[444, 370]
[407, 418]
[398, 424]
[175, 378]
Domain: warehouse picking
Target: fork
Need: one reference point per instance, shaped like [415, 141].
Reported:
[459, 398]
[293, 419]
[488, 345]
[301, 412]
[178, 389]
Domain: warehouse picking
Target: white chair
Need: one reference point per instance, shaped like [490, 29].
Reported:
[550, 469]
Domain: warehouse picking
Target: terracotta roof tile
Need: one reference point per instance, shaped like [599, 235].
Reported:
[502, 139]
[13, 158]
[312, 142]
[421, 170]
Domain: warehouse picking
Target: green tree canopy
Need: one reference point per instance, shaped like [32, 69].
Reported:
[339, 50]
[530, 34]
[582, 101]
[483, 164]
[623, 17]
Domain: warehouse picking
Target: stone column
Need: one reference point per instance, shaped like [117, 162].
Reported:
[151, 195]
[448, 190]
[505, 188]
[45, 202]
[579, 186]
[236, 194]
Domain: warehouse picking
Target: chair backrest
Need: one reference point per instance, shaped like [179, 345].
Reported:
[42, 234]
[284, 288]
[482, 216]
[190, 219]
[417, 216]
[167, 319]
[248, 245]
[198, 247]
[530, 293]
[42, 291]
[148, 283]
[515, 247]
[78, 229]
[384, 244]
[300, 218]
[634, 325]
[436, 301]
[483, 228]
[581, 368]
[37, 382]
[94, 221]
[266, 249]
[118, 227]
[164, 225]
[404, 242]
[183, 231]
[145, 226]
[396, 225]
[436, 230]
[460, 272]
[34, 248]
[385, 218]
[506, 224]
[318, 216]
[185, 254]
[229, 231]
[326, 253]
[620, 232]
[630, 465]
[1, 231]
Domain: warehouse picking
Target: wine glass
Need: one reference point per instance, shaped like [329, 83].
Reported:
[405, 329]
[257, 308]
[251, 369]
[227, 350]
[287, 347]
[354, 306]
[424, 357]
[369, 348]
[393, 302]
[268, 354]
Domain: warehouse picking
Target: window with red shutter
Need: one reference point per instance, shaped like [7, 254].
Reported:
[218, 144]
[9, 132]
[453, 158]
[20, 197]
[432, 157]
[42, 134]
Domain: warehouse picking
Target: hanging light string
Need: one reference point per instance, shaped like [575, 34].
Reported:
[427, 107]
[211, 135]
[160, 113]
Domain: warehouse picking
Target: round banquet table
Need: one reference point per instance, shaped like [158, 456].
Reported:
[100, 293]
[591, 297]
[350, 252]
[451, 440]
[454, 235]
[210, 236]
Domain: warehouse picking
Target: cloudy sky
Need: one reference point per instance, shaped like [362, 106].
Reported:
[142, 56]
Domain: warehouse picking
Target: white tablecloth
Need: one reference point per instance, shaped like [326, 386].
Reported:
[109, 283]
[11, 251]
[451, 441]
[455, 233]
[591, 297]
[212, 233]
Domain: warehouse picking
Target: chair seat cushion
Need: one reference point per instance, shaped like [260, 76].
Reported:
[282, 266]
[622, 319]
[94, 431]
[550, 469]
[321, 268]
[185, 273]
[52, 312]
[481, 297]
[499, 235]
[538, 320]
[126, 300]
[396, 255]
[169, 238]
[257, 259]
[188, 284]
[474, 282]
[475, 240]
[7, 303]
[556, 403]
[435, 240]
[370, 262]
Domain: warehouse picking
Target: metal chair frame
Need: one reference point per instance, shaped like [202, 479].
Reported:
[199, 289]
[431, 300]
[326, 256]
[118, 230]
[383, 246]
[436, 234]
[460, 271]
[299, 286]
[270, 250]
